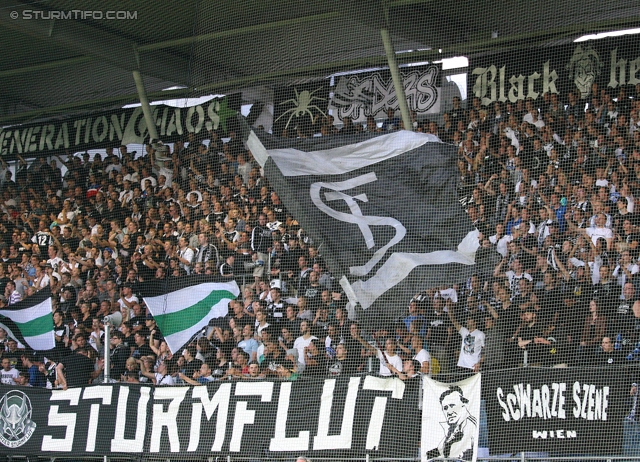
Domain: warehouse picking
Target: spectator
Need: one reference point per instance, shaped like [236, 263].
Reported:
[302, 342]
[9, 374]
[389, 360]
[30, 363]
[473, 341]
[75, 369]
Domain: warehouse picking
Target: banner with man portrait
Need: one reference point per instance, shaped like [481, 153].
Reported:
[451, 419]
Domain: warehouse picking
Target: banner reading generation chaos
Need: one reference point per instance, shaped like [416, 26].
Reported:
[344, 417]
[116, 127]
[559, 411]
[508, 77]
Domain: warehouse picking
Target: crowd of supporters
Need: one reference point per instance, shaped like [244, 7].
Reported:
[549, 183]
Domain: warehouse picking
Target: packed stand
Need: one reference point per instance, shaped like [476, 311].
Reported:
[550, 185]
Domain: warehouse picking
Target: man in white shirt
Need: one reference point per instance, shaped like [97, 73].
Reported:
[471, 345]
[185, 254]
[389, 360]
[422, 355]
[303, 341]
[127, 300]
[500, 240]
[600, 231]
[9, 374]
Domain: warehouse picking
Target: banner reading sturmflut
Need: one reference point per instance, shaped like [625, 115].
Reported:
[347, 417]
[384, 208]
[451, 419]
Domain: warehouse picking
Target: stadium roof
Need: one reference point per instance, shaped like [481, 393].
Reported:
[50, 67]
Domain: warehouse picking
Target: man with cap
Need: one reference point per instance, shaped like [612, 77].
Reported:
[155, 336]
[93, 220]
[30, 362]
[141, 347]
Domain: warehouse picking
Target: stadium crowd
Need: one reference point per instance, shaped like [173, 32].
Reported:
[549, 183]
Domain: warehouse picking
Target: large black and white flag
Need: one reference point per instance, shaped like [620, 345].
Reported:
[383, 207]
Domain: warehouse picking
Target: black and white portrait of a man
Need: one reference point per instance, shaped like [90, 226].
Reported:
[455, 436]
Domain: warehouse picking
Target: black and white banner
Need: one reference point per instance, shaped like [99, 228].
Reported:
[371, 94]
[559, 411]
[530, 73]
[299, 106]
[378, 205]
[451, 419]
[344, 417]
[113, 128]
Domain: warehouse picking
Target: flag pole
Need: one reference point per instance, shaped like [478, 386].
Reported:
[397, 79]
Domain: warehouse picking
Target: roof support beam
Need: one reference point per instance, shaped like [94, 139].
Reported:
[234, 32]
[90, 41]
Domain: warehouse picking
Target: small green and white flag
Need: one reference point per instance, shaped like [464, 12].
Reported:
[30, 321]
[185, 305]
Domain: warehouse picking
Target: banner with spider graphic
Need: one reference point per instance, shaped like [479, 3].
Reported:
[300, 107]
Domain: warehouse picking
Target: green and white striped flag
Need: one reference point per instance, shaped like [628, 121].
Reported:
[30, 321]
[183, 306]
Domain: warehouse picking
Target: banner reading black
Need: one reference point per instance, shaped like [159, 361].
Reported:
[559, 411]
[530, 73]
[345, 417]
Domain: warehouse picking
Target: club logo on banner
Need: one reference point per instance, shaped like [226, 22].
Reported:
[451, 419]
[15, 418]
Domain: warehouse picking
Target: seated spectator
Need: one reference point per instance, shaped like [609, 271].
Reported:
[607, 355]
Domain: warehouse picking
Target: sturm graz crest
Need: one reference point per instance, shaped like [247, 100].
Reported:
[15, 419]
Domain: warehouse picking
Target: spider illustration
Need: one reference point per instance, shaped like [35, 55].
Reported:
[302, 106]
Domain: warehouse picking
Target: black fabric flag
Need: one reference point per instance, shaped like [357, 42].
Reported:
[298, 106]
[383, 208]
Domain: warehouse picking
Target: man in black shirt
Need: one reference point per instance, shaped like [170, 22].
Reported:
[141, 347]
[260, 243]
[191, 363]
[119, 355]
[341, 364]
[75, 369]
